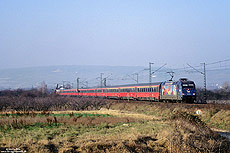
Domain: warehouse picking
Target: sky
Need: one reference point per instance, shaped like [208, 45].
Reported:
[113, 32]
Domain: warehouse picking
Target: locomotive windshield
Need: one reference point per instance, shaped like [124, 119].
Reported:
[188, 85]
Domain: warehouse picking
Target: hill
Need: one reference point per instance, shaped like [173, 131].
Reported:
[90, 75]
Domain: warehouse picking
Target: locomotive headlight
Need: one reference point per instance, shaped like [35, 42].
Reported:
[194, 94]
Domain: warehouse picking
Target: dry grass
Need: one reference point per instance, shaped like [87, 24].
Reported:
[183, 132]
[190, 134]
[126, 127]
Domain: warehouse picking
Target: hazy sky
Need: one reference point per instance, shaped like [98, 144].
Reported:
[113, 32]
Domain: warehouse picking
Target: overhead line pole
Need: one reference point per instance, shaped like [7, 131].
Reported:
[105, 79]
[205, 81]
[150, 72]
[78, 85]
[205, 88]
[102, 79]
[137, 77]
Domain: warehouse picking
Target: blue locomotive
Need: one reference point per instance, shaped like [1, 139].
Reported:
[183, 90]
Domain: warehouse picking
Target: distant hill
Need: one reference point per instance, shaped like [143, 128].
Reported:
[52, 75]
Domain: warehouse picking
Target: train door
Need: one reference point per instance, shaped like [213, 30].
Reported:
[179, 91]
[150, 93]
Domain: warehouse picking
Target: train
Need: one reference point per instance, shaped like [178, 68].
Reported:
[183, 91]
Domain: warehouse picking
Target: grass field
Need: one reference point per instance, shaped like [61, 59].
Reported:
[118, 126]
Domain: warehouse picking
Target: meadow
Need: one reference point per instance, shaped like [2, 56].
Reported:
[73, 124]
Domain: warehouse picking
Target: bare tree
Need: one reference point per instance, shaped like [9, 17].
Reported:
[226, 87]
[43, 88]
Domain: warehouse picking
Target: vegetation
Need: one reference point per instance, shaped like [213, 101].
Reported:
[222, 93]
[50, 123]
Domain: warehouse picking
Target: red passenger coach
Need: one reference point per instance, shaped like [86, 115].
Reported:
[139, 92]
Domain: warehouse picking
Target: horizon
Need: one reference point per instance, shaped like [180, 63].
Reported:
[118, 75]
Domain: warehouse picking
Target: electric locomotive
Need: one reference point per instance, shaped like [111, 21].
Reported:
[183, 90]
